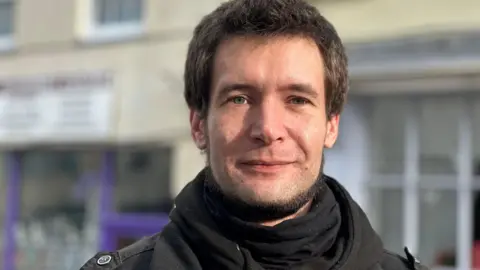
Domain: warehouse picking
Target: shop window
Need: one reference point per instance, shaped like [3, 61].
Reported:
[113, 20]
[388, 135]
[387, 217]
[438, 137]
[52, 219]
[39, 166]
[419, 174]
[115, 12]
[143, 180]
[438, 222]
[6, 24]
[6, 17]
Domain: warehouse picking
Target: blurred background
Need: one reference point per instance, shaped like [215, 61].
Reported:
[94, 133]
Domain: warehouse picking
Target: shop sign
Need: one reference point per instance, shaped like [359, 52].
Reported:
[73, 107]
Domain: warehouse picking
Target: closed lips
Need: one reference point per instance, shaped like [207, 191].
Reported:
[266, 163]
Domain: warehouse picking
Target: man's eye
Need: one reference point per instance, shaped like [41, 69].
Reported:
[299, 101]
[238, 100]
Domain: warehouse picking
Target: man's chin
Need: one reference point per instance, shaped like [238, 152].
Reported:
[259, 205]
[270, 189]
[258, 185]
[260, 200]
[263, 210]
[263, 195]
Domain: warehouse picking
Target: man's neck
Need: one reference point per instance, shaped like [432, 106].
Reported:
[301, 212]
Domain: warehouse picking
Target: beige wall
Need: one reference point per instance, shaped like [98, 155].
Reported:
[62, 22]
[377, 19]
[147, 82]
[148, 71]
[58, 20]
[46, 21]
[148, 103]
[178, 14]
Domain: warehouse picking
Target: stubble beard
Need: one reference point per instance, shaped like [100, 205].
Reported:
[258, 212]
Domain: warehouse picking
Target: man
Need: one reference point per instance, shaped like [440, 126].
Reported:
[265, 81]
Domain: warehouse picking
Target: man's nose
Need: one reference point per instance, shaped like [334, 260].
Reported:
[267, 123]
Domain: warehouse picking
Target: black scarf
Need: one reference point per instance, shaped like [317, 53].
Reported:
[322, 239]
[292, 242]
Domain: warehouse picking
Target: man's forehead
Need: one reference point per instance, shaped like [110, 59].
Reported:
[239, 64]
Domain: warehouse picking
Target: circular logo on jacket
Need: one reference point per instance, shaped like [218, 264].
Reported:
[105, 259]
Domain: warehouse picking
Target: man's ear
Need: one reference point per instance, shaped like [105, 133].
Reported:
[197, 128]
[332, 131]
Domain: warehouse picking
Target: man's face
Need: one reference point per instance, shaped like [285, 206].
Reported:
[266, 126]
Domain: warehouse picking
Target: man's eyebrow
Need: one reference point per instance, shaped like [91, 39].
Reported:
[230, 87]
[304, 88]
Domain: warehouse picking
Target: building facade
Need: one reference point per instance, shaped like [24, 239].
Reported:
[412, 123]
[95, 138]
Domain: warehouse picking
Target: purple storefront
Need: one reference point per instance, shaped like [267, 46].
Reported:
[67, 189]
[91, 204]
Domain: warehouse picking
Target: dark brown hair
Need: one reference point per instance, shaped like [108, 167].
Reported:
[267, 18]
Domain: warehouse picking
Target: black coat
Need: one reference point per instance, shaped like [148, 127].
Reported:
[182, 244]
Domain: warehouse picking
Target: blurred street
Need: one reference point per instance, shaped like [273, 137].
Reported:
[95, 140]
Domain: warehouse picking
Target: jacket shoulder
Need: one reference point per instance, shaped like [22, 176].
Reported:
[393, 261]
[165, 250]
[135, 256]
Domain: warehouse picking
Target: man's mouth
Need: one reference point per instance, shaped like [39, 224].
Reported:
[264, 166]
[259, 162]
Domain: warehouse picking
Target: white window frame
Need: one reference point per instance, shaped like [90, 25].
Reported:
[6, 40]
[465, 186]
[92, 32]
[411, 175]
[410, 184]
